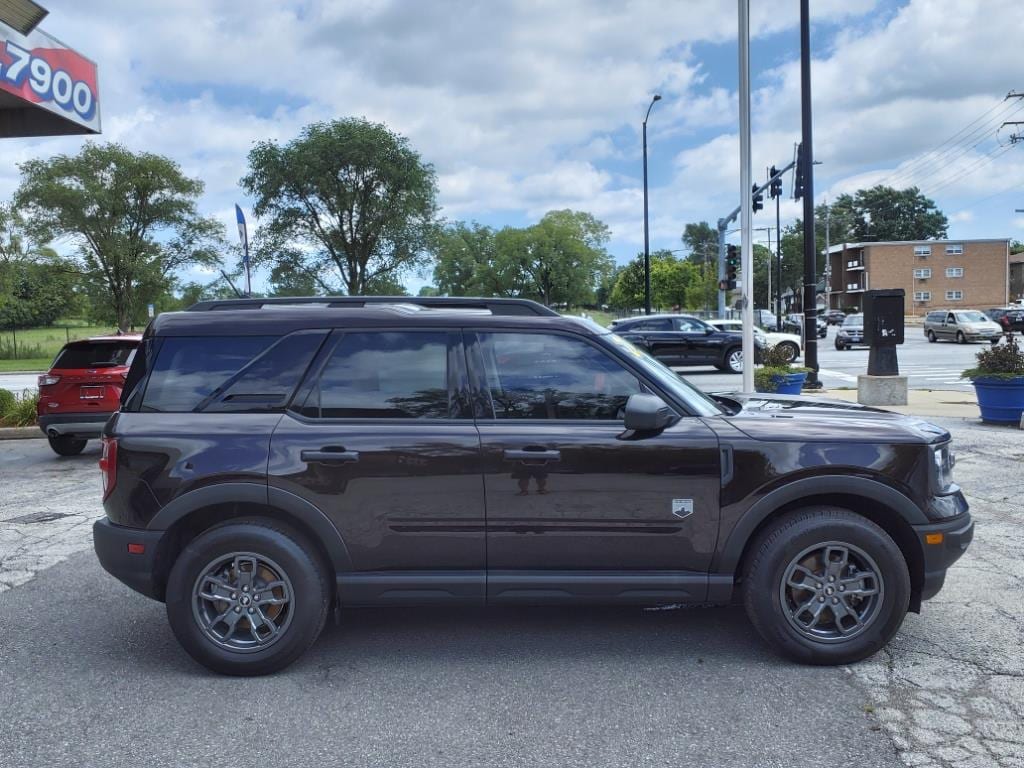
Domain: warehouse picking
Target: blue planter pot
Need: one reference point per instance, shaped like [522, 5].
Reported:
[1000, 400]
[790, 384]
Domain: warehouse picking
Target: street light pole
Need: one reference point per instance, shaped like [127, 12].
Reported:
[647, 244]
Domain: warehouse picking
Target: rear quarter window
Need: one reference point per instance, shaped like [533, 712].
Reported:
[228, 373]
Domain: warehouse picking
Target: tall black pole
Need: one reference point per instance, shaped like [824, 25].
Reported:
[647, 245]
[778, 265]
[810, 247]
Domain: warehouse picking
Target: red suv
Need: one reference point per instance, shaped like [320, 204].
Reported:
[82, 389]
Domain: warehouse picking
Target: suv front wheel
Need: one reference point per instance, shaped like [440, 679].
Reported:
[732, 360]
[826, 586]
[247, 597]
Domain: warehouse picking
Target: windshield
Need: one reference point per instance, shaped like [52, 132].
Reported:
[698, 403]
[971, 317]
[854, 320]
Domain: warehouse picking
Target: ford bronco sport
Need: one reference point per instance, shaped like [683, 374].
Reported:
[274, 459]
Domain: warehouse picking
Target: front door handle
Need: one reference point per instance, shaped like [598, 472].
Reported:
[531, 453]
[330, 453]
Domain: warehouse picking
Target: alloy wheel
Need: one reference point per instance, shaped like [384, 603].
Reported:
[243, 602]
[831, 592]
[735, 361]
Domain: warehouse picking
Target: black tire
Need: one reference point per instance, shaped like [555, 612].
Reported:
[66, 446]
[840, 347]
[792, 350]
[775, 551]
[730, 362]
[960, 338]
[300, 621]
[931, 336]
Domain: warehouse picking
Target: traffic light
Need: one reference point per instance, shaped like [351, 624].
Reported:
[758, 199]
[775, 189]
[732, 265]
[798, 175]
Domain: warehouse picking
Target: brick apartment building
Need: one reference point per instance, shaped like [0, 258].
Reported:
[1016, 276]
[972, 274]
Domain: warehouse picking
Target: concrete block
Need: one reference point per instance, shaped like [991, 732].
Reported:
[881, 390]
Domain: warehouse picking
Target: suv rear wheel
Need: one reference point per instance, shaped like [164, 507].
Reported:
[63, 445]
[826, 586]
[247, 597]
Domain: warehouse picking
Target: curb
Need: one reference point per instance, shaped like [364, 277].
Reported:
[21, 433]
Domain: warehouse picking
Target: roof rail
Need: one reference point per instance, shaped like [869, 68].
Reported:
[496, 306]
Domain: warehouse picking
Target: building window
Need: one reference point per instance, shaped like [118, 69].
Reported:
[954, 248]
[954, 271]
[954, 295]
[922, 295]
[922, 250]
[924, 273]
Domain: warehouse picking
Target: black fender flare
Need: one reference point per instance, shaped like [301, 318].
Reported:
[306, 513]
[728, 557]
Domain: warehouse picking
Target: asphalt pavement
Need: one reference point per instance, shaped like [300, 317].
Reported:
[92, 676]
[927, 366]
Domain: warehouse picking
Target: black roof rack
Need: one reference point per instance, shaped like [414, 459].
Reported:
[496, 306]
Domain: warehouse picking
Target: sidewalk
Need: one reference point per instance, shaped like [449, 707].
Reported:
[923, 402]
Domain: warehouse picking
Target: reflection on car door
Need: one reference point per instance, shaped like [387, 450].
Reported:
[381, 439]
[576, 507]
[663, 342]
[701, 347]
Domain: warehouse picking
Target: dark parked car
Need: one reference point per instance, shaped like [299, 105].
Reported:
[268, 466]
[81, 390]
[835, 317]
[794, 323]
[681, 340]
[1010, 318]
[851, 333]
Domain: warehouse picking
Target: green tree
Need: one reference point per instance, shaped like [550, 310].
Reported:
[464, 258]
[884, 213]
[348, 202]
[701, 242]
[675, 283]
[559, 260]
[132, 218]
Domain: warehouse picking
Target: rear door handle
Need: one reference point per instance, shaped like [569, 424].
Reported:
[535, 454]
[330, 453]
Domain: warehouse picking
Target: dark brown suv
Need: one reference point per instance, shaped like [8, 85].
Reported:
[274, 459]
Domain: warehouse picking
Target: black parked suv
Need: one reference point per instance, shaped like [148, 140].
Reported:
[273, 461]
[682, 340]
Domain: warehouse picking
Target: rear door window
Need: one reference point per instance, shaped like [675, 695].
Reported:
[96, 354]
[389, 375]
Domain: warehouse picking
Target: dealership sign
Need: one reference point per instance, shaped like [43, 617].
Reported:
[45, 76]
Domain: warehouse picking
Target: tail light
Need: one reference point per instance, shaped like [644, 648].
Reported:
[108, 465]
[45, 380]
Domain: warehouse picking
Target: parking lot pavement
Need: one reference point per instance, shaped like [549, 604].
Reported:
[19, 382]
[47, 507]
[92, 675]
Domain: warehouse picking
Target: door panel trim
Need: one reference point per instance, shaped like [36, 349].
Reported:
[597, 587]
[411, 587]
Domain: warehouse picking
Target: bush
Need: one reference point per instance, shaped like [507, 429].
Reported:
[1001, 361]
[22, 412]
[774, 360]
[7, 402]
[24, 351]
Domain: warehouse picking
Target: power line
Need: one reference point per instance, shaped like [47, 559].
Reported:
[957, 142]
[963, 173]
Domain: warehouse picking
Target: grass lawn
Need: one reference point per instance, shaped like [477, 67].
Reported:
[41, 345]
[31, 364]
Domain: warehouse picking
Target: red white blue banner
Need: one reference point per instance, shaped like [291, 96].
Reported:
[43, 71]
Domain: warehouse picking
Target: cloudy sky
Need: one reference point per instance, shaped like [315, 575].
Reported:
[524, 106]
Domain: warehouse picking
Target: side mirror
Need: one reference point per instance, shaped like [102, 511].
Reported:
[647, 413]
[709, 330]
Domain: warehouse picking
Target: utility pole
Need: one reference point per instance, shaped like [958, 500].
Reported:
[747, 191]
[775, 190]
[647, 248]
[768, 305]
[828, 259]
[807, 162]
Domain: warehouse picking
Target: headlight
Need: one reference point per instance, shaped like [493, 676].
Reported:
[944, 460]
